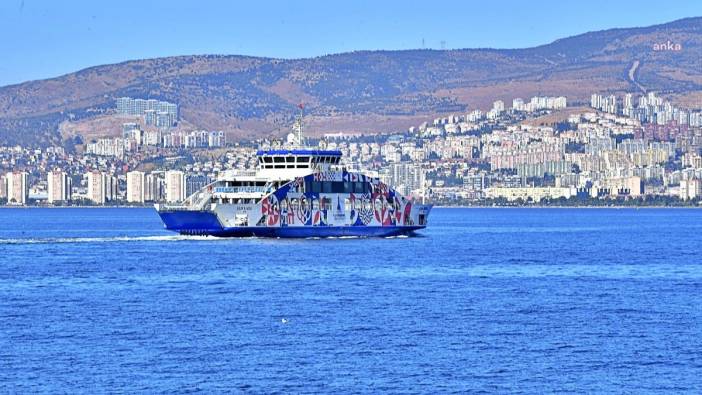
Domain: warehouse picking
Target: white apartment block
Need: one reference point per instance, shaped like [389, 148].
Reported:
[136, 187]
[175, 186]
[59, 186]
[97, 188]
[17, 188]
[3, 186]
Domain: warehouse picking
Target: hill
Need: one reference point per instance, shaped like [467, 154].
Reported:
[365, 91]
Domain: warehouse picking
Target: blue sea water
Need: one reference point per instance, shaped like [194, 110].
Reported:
[485, 300]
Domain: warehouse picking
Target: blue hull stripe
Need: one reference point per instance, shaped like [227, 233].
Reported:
[206, 223]
[318, 231]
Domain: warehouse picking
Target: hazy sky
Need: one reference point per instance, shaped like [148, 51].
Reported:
[42, 39]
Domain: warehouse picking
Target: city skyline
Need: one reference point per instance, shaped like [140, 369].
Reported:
[632, 149]
[83, 34]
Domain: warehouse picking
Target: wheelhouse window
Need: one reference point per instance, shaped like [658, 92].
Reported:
[316, 187]
[360, 187]
[326, 187]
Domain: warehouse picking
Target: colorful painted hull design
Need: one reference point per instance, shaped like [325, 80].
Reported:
[322, 204]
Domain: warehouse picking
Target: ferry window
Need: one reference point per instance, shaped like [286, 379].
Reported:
[290, 159]
[303, 166]
[348, 186]
[338, 187]
[316, 187]
[326, 187]
[267, 159]
[303, 159]
[279, 166]
[358, 187]
[278, 159]
[291, 166]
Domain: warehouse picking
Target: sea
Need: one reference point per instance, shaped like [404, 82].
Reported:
[485, 300]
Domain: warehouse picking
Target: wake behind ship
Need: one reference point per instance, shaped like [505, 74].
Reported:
[296, 192]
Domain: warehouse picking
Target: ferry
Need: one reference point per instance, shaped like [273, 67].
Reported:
[296, 191]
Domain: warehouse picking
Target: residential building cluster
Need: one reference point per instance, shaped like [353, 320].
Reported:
[134, 139]
[157, 113]
[479, 156]
[647, 108]
[540, 103]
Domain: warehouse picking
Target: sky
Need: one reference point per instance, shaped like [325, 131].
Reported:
[47, 38]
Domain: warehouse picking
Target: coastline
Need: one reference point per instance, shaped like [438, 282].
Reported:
[573, 207]
[533, 206]
[66, 207]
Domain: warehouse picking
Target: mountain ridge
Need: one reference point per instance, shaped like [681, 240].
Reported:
[251, 96]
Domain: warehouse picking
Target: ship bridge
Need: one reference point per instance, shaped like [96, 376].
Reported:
[286, 164]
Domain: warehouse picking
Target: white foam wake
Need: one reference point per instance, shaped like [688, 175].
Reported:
[54, 240]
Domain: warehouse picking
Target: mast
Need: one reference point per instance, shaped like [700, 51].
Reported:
[299, 124]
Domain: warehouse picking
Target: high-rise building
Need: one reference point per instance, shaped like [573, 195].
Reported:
[154, 187]
[17, 188]
[406, 177]
[59, 185]
[3, 187]
[216, 139]
[136, 187]
[111, 187]
[97, 189]
[175, 186]
[628, 101]
[690, 188]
